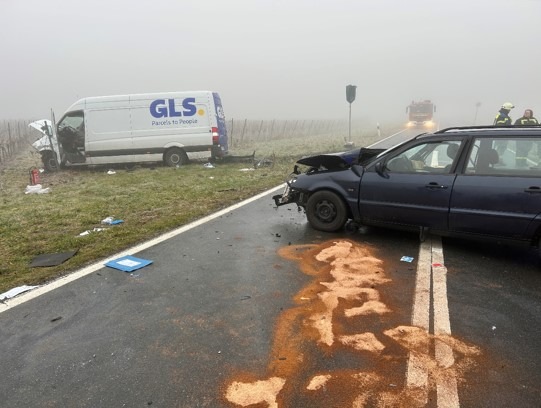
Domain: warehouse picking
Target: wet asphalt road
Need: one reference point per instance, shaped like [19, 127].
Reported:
[176, 333]
[495, 303]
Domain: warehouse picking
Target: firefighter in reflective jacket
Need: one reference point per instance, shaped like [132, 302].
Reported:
[503, 119]
[524, 147]
[527, 119]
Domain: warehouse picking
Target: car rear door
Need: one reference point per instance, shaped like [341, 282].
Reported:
[412, 186]
[498, 194]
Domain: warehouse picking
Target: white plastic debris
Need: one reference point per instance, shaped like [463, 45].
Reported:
[108, 220]
[92, 230]
[36, 189]
[111, 221]
[208, 165]
[16, 291]
[111, 172]
[247, 169]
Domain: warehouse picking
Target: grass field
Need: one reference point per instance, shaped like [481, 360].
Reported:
[149, 199]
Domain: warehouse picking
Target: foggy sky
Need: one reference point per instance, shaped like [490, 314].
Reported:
[276, 59]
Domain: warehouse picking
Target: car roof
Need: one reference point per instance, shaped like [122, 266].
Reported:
[485, 131]
[492, 129]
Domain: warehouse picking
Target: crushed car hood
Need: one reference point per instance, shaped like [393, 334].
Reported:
[43, 143]
[329, 161]
[337, 161]
[41, 125]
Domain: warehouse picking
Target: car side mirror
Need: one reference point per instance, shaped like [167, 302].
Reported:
[381, 169]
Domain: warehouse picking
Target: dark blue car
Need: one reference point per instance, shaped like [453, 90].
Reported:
[468, 181]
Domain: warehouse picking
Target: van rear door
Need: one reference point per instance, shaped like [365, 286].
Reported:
[222, 128]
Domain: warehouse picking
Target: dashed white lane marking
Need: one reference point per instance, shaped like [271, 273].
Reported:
[417, 373]
[447, 390]
[8, 304]
[431, 266]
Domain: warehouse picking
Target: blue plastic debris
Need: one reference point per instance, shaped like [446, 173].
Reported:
[128, 263]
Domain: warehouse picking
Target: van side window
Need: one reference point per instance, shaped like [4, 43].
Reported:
[71, 131]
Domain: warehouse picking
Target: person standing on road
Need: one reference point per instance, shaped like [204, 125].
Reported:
[523, 147]
[503, 119]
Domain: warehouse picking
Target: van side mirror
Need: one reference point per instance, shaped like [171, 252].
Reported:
[381, 169]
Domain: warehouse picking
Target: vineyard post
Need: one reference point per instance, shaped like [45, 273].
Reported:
[243, 130]
[231, 133]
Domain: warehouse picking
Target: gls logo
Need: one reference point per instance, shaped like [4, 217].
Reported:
[160, 108]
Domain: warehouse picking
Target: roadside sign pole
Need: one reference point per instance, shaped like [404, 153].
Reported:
[349, 133]
[350, 97]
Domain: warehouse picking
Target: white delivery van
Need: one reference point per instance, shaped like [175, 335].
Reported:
[170, 127]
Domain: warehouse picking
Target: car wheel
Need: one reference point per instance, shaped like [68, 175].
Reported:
[49, 162]
[326, 211]
[175, 157]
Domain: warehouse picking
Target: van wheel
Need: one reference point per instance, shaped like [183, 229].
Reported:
[175, 157]
[326, 211]
[49, 162]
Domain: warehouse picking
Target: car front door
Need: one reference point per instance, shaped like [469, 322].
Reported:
[411, 186]
[499, 193]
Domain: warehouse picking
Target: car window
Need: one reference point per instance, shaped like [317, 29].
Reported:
[512, 156]
[430, 157]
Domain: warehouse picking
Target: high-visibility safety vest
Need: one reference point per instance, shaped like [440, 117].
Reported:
[502, 120]
[526, 122]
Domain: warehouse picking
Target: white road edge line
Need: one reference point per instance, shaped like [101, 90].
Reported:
[388, 137]
[25, 297]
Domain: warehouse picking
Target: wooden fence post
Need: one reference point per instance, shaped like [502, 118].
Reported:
[231, 133]
[271, 129]
[259, 133]
[243, 130]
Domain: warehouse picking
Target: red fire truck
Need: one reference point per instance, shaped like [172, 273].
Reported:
[421, 113]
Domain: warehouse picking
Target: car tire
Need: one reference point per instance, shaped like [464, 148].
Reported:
[175, 157]
[326, 211]
[49, 162]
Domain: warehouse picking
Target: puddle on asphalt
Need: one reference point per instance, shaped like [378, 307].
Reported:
[316, 359]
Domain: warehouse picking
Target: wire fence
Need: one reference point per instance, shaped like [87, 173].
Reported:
[247, 131]
[15, 136]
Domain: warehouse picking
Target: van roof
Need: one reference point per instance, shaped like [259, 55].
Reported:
[81, 103]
